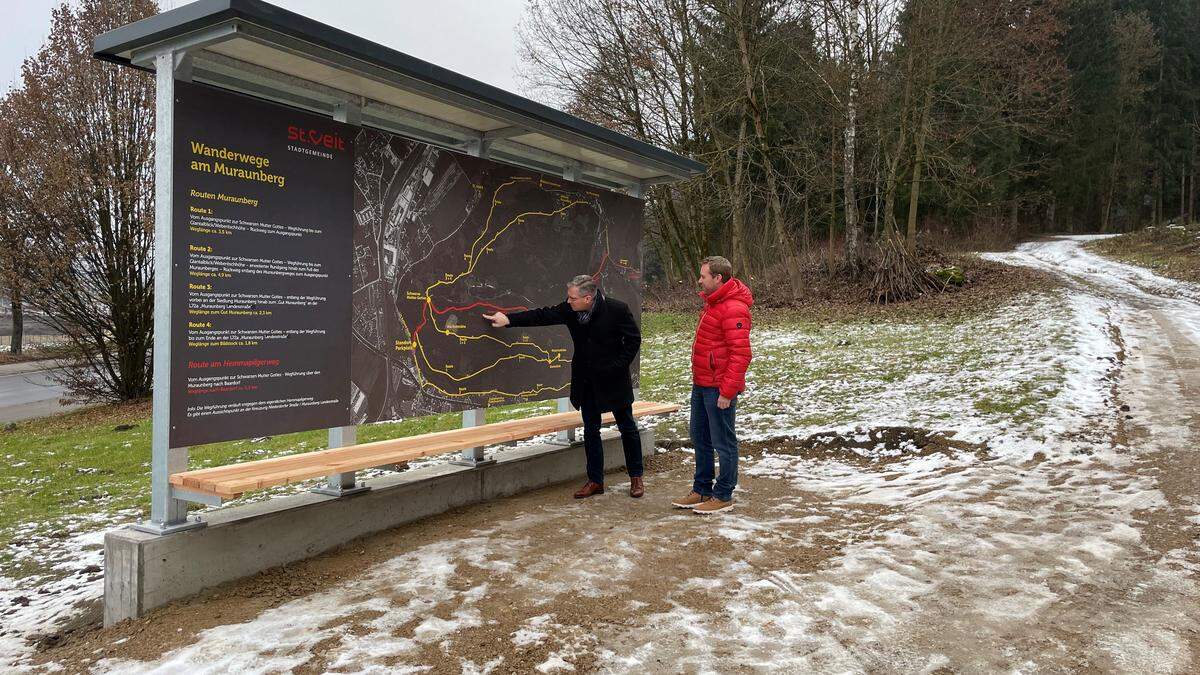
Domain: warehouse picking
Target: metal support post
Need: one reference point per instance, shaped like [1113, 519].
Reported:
[167, 513]
[473, 457]
[566, 436]
[570, 171]
[349, 112]
[478, 147]
[342, 484]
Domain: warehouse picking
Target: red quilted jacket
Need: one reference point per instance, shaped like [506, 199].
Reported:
[721, 352]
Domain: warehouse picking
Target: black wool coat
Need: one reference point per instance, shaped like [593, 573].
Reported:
[605, 348]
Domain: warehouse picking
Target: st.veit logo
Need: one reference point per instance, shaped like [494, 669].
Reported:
[316, 137]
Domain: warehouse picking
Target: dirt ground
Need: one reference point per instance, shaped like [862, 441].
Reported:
[670, 546]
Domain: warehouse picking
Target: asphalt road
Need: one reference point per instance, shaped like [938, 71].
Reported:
[27, 390]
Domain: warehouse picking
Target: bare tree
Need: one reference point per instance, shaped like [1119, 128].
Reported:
[1136, 50]
[82, 176]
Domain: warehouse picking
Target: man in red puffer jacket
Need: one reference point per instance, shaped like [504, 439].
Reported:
[720, 357]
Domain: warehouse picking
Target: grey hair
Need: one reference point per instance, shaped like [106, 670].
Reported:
[585, 283]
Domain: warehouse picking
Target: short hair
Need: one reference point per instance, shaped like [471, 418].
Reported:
[585, 283]
[718, 265]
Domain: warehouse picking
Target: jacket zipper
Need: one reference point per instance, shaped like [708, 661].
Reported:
[712, 364]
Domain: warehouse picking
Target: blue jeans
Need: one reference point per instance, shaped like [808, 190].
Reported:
[593, 447]
[712, 430]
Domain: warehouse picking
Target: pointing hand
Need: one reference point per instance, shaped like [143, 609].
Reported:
[499, 319]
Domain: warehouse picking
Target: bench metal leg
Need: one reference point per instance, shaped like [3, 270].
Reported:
[342, 484]
[566, 436]
[473, 457]
[168, 513]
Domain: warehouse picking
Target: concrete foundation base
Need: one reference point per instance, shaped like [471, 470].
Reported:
[143, 571]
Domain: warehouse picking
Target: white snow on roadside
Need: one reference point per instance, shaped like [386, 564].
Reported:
[1111, 279]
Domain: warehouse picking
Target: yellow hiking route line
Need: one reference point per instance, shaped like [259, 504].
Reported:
[476, 252]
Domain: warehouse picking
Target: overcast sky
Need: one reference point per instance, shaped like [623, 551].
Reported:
[474, 37]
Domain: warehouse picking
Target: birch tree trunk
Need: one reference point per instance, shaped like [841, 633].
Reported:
[853, 226]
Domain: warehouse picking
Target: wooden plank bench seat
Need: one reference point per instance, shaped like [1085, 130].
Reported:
[229, 482]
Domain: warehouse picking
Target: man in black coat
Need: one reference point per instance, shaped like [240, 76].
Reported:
[606, 340]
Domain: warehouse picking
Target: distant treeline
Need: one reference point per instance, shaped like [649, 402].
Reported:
[834, 125]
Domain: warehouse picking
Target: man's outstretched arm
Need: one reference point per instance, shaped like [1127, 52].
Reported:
[542, 316]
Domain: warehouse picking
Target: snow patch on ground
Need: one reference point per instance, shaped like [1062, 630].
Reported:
[70, 578]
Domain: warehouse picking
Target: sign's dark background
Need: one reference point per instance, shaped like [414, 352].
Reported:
[316, 195]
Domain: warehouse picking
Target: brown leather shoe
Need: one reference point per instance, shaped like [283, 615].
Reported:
[692, 500]
[712, 505]
[636, 488]
[589, 488]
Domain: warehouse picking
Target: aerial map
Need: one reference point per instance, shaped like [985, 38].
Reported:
[440, 238]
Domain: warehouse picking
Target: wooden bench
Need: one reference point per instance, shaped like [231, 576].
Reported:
[229, 482]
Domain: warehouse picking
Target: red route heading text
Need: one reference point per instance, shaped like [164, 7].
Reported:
[230, 363]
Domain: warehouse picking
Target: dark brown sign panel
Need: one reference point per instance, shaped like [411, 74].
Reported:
[326, 275]
[261, 268]
[440, 238]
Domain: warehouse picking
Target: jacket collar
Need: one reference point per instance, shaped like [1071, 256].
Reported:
[721, 293]
[595, 310]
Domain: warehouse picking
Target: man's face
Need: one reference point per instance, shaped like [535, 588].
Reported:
[707, 282]
[578, 302]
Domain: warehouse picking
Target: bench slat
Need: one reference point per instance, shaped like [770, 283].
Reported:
[266, 473]
[529, 426]
[339, 460]
[389, 452]
[301, 459]
[230, 481]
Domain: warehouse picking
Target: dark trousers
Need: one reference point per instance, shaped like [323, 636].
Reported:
[631, 440]
[713, 434]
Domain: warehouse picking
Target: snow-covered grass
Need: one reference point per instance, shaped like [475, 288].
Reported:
[44, 346]
[987, 372]
[1171, 250]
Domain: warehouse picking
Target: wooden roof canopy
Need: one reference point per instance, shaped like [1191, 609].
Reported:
[256, 48]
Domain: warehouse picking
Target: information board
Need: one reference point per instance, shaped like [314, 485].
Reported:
[325, 274]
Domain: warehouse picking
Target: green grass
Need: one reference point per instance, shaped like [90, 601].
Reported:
[76, 464]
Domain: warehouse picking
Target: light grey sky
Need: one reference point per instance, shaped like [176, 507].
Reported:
[474, 37]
